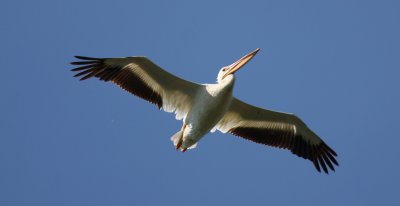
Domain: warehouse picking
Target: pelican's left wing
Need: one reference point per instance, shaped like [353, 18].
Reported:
[279, 130]
[143, 78]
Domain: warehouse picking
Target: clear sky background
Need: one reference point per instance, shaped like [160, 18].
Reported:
[333, 63]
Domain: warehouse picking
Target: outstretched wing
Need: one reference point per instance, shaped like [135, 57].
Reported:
[143, 78]
[278, 130]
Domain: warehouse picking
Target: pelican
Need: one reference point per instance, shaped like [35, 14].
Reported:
[206, 108]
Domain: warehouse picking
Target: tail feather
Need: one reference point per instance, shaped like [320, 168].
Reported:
[175, 140]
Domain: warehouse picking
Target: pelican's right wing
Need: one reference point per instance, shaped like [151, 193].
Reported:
[143, 78]
[278, 130]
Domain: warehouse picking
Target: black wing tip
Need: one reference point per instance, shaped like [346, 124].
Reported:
[323, 157]
[330, 150]
[88, 66]
[83, 60]
[85, 77]
[87, 58]
[316, 165]
[85, 67]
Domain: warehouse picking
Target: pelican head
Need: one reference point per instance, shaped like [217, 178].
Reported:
[231, 69]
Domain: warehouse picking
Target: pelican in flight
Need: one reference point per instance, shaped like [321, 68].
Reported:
[209, 107]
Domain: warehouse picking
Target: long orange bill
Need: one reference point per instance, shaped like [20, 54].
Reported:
[240, 63]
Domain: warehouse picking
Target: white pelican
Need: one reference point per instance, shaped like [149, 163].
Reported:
[209, 107]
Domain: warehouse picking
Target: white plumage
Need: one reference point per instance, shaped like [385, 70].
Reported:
[209, 107]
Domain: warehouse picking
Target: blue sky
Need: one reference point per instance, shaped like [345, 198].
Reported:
[64, 142]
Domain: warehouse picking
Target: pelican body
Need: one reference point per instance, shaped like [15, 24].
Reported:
[209, 107]
[211, 103]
